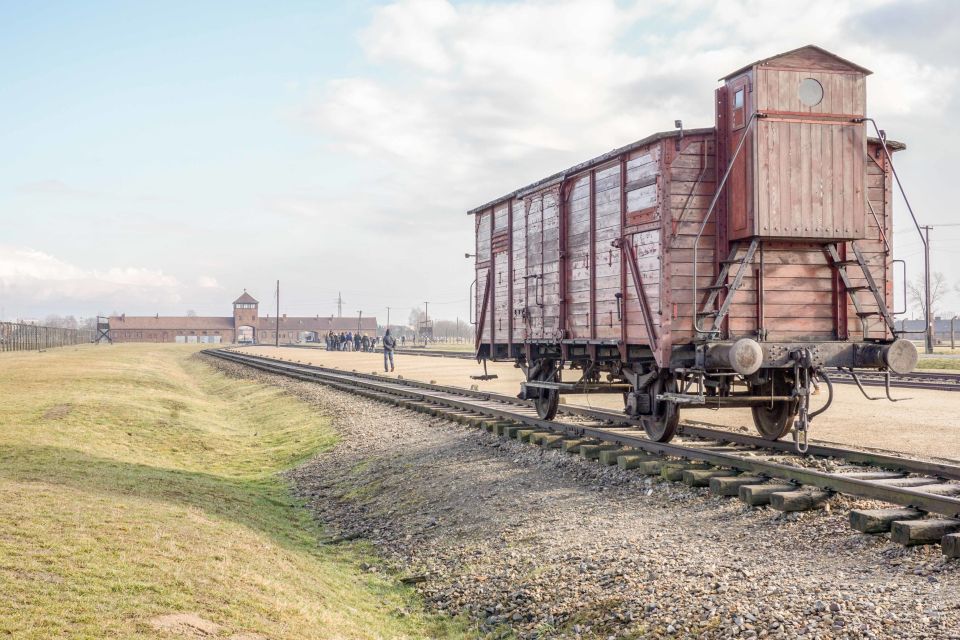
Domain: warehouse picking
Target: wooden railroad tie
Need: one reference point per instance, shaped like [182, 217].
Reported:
[702, 477]
[928, 531]
[573, 446]
[610, 456]
[950, 544]
[759, 494]
[592, 451]
[673, 471]
[730, 485]
[880, 520]
[634, 460]
[800, 500]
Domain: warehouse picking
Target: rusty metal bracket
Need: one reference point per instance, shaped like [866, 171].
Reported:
[633, 267]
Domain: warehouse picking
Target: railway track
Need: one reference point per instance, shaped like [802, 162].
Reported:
[932, 380]
[926, 493]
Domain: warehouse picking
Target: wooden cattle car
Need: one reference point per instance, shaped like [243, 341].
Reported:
[636, 273]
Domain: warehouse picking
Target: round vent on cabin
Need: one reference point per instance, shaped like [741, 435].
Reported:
[810, 92]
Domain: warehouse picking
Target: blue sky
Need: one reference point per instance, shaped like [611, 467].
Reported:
[159, 157]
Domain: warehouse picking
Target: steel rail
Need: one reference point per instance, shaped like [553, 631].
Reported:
[623, 435]
[944, 469]
[929, 380]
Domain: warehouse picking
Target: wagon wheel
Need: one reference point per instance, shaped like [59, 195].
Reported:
[774, 420]
[662, 425]
[549, 399]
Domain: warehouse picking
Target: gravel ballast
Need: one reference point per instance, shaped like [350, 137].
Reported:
[539, 543]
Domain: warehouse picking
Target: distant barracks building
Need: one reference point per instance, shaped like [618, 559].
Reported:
[245, 326]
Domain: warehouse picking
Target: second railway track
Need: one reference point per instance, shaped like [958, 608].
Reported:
[932, 380]
[927, 493]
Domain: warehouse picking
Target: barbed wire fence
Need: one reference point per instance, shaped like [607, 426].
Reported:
[17, 336]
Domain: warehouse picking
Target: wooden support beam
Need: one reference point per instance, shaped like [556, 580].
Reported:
[551, 441]
[950, 544]
[801, 500]
[702, 477]
[523, 435]
[511, 431]
[573, 446]
[536, 436]
[592, 451]
[609, 457]
[730, 486]
[650, 468]
[632, 461]
[759, 494]
[929, 531]
[879, 520]
[674, 470]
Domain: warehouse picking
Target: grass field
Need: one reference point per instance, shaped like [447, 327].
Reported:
[140, 497]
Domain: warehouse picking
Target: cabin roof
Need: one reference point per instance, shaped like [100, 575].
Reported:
[793, 52]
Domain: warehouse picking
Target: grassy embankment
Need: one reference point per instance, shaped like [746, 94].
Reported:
[136, 482]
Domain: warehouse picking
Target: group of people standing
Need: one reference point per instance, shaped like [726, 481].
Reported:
[350, 341]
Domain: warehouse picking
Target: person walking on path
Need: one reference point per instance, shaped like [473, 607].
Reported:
[389, 344]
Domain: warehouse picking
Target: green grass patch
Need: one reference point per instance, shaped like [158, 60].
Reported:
[933, 362]
[138, 482]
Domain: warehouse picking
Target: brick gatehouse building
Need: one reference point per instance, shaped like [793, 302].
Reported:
[245, 325]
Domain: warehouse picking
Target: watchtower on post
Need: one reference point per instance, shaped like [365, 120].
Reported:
[103, 330]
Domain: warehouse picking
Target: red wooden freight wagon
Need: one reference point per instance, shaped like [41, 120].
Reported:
[728, 266]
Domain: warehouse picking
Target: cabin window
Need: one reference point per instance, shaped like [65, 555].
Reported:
[738, 108]
[810, 92]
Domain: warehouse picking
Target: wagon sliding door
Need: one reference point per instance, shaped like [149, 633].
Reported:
[593, 264]
[542, 253]
[482, 308]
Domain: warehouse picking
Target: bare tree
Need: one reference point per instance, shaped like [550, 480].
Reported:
[416, 317]
[61, 322]
[916, 292]
[191, 313]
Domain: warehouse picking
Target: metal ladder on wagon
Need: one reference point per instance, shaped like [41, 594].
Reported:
[721, 284]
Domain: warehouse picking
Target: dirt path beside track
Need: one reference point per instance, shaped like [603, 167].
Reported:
[536, 541]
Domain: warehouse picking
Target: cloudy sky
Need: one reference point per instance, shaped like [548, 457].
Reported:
[160, 157]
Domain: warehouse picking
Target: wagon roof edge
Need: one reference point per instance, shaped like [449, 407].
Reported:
[893, 145]
[757, 63]
[606, 157]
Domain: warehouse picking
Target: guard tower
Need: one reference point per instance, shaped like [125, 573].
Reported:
[245, 314]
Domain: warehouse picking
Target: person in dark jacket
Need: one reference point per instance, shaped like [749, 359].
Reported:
[365, 343]
[389, 344]
[356, 341]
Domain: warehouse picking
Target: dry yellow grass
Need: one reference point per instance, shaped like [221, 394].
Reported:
[137, 482]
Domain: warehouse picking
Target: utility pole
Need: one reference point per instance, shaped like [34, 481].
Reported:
[388, 318]
[276, 338]
[928, 312]
[426, 319]
[339, 305]
[359, 319]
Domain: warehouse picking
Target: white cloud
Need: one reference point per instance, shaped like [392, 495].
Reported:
[208, 282]
[31, 278]
[471, 100]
